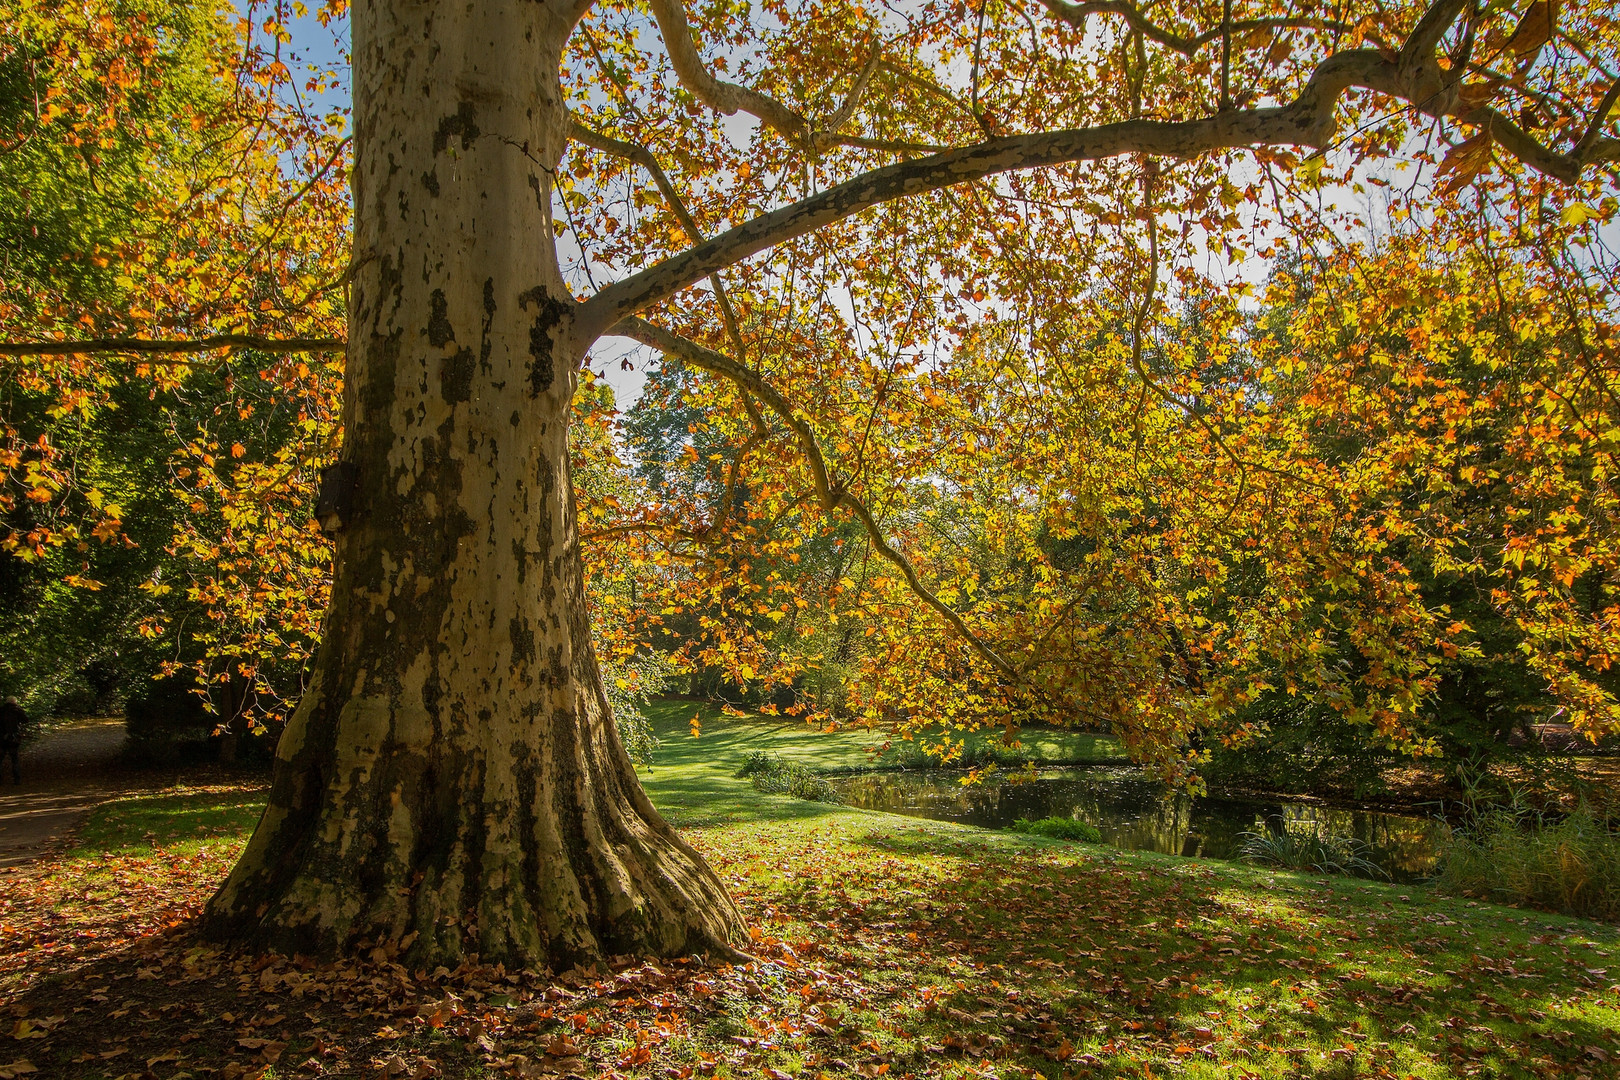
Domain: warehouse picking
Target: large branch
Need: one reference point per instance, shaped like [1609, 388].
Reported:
[1307, 121]
[663, 279]
[829, 495]
[148, 347]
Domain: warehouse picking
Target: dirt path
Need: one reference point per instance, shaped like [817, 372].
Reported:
[65, 773]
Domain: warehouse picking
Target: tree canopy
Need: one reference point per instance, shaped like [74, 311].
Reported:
[1146, 367]
[1087, 427]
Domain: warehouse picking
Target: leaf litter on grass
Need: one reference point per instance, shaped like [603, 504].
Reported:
[881, 950]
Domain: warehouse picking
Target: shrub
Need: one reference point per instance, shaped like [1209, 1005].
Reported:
[775, 775]
[1516, 856]
[1059, 828]
[757, 761]
[1314, 852]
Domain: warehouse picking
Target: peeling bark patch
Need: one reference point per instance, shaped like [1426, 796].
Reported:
[461, 124]
[522, 641]
[542, 364]
[544, 477]
[485, 344]
[456, 376]
[439, 331]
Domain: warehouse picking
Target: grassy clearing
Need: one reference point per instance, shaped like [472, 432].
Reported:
[998, 950]
[888, 946]
[179, 821]
[854, 749]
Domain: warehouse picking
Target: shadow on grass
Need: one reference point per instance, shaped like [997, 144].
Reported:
[1068, 959]
[1199, 963]
[185, 1006]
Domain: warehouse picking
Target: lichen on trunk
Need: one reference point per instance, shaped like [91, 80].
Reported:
[452, 781]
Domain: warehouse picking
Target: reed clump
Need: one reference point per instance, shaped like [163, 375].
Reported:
[1513, 855]
[1316, 852]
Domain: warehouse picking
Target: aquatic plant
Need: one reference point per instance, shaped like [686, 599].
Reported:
[1323, 854]
[776, 775]
[1514, 855]
[1059, 828]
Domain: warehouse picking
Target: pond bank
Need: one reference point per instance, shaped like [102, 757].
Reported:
[1135, 812]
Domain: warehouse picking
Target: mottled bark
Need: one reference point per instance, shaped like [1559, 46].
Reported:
[453, 779]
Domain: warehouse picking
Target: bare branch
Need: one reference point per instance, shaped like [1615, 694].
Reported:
[1594, 131]
[1077, 14]
[640, 155]
[906, 75]
[828, 494]
[145, 347]
[838, 119]
[731, 98]
[726, 97]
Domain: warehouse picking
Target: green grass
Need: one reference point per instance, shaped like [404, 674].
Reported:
[855, 749]
[932, 948]
[180, 820]
[1103, 962]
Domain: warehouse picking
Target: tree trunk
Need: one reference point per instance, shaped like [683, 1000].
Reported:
[453, 780]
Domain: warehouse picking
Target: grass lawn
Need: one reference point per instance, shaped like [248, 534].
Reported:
[856, 749]
[887, 946]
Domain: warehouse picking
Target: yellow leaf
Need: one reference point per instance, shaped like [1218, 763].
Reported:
[1577, 214]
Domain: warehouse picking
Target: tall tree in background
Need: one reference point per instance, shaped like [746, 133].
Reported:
[452, 781]
[150, 511]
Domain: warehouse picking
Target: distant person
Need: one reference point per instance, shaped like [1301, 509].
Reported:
[12, 720]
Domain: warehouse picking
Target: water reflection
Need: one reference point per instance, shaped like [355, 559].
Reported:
[1139, 813]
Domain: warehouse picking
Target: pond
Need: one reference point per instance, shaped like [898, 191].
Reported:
[1139, 813]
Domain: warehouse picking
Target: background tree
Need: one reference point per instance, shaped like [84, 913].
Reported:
[153, 502]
